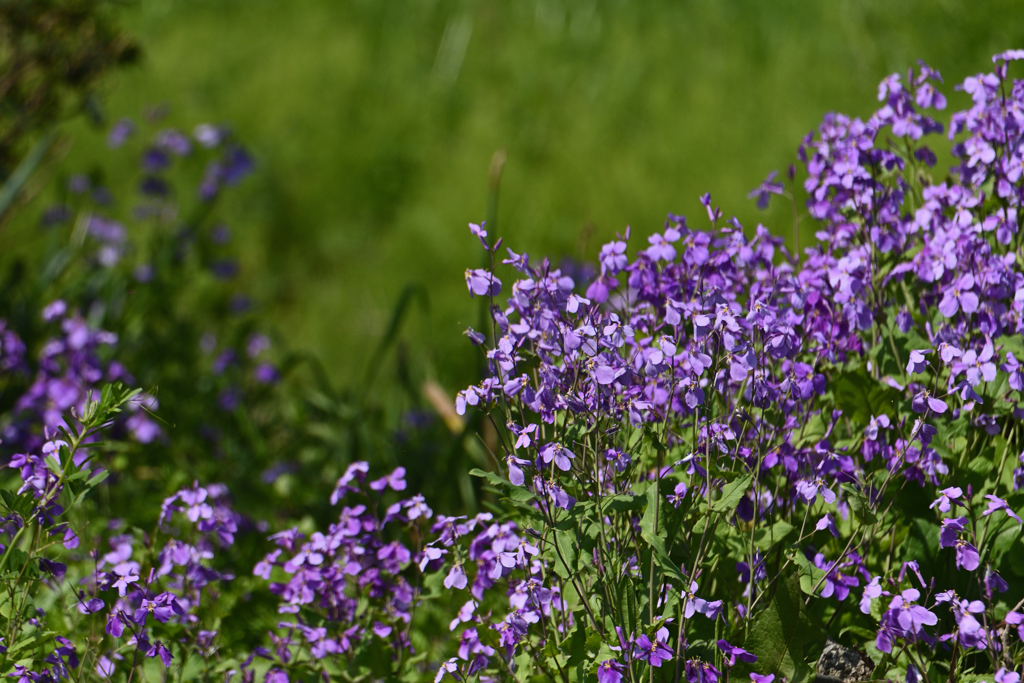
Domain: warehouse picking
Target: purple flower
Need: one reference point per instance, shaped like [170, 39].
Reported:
[733, 653]
[872, 591]
[104, 667]
[966, 554]
[694, 605]
[161, 651]
[959, 295]
[120, 132]
[559, 453]
[923, 401]
[515, 471]
[90, 606]
[951, 529]
[979, 366]
[827, 522]
[713, 213]
[449, 667]
[1016, 619]
[482, 283]
[995, 504]
[698, 671]
[947, 496]
[266, 373]
[115, 627]
[661, 248]
[126, 575]
[481, 234]
[917, 362]
[809, 490]
[1004, 676]
[609, 671]
[456, 578]
[948, 352]
[653, 652]
[767, 188]
[395, 481]
[613, 257]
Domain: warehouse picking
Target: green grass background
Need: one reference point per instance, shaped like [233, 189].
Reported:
[373, 123]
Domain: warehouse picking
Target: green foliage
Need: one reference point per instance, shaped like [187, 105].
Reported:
[375, 124]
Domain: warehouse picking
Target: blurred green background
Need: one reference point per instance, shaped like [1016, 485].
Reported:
[373, 124]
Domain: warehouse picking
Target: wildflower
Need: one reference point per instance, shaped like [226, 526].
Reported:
[609, 671]
[767, 188]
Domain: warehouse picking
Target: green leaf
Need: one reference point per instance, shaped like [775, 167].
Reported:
[779, 633]
[629, 611]
[20, 504]
[576, 648]
[764, 539]
[491, 477]
[811, 577]
[1008, 550]
[649, 521]
[98, 478]
[565, 540]
[657, 540]
[516, 493]
[732, 493]
[625, 503]
[812, 432]
[860, 505]
[527, 510]
[860, 396]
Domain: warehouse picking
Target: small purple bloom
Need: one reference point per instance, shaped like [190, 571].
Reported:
[1004, 676]
[947, 496]
[733, 653]
[959, 295]
[609, 671]
[481, 234]
[827, 522]
[559, 454]
[482, 283]
[767, 188]
[395, 481]
[995, 504]
[917, 362]
[923, 401]
[456, 578]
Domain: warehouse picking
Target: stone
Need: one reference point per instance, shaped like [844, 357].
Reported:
[839, 664]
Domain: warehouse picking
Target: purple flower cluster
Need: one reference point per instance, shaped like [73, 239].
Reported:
[357, 582]
[706, 445]
[172, 590]
[819, 386]
[71, 367]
